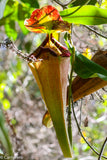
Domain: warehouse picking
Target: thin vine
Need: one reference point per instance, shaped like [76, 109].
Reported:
[79, 129]
[96, 32]
[102, 149]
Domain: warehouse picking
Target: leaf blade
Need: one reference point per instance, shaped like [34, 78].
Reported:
[86, 68]
[87, 15]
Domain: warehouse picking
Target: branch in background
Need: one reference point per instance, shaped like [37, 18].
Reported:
[101, 99]
[64, 4]
[104, 89]
[102, 149]
[80, 111]
[91, 29]
[9, 44]
[79, 129]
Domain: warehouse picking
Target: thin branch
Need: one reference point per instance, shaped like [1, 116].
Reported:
[81, 132]
[104, 89]
[80, 111]
[100, 97]
[102, 149]
[9, 44]
[79, 7]
[96, 32]
[70, 95]
[69, 111]
[64, 4]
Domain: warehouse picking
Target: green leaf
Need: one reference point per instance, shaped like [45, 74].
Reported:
[4, 19]
[32, 3]
[86, 68]
[87, 15]
[4, 137]
[21, 12]
[2, 7]
[10, 29]
[23, 28]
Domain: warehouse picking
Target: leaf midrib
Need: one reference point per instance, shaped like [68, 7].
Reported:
[84, 17]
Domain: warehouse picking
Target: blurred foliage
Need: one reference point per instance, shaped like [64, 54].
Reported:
[14, 15]
[4, 136]
[14, 75]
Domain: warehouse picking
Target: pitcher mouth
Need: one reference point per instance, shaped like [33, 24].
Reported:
[49, 47]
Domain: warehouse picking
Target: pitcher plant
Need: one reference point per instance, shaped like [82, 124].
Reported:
[50, 68]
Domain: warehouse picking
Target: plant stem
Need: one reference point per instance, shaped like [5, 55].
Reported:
[70, 97]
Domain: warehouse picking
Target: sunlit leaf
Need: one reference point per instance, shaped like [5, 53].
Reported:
[104, 4]
[101, 109]
[10, 30]
[87, 53]
[6, 104]
[24, 30]
[2, 86]
[105, 96]
[101, 43]
[87, 15]
[1, 95]
[46, 19]
[86, 68]
[105, 103]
